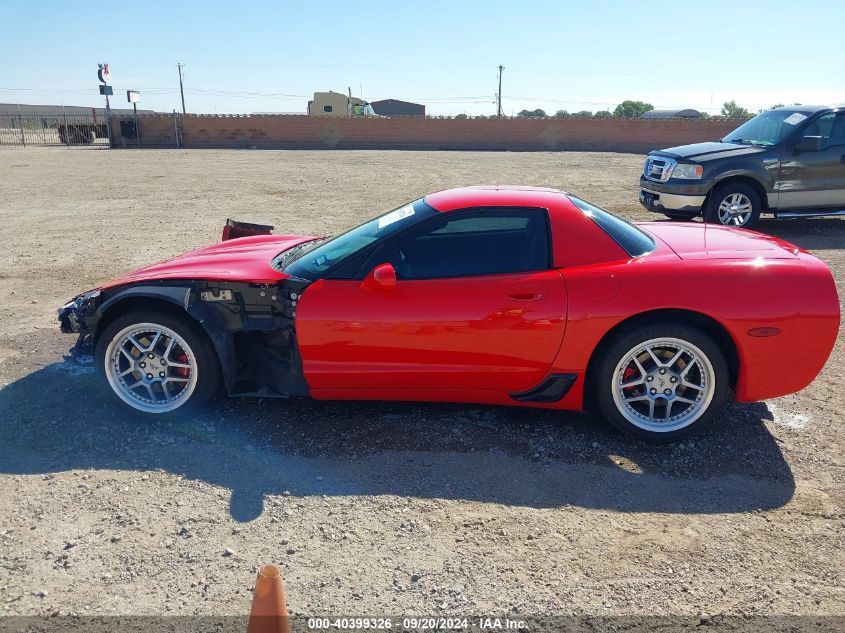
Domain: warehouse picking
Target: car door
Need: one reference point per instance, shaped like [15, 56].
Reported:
[816, 179]
[476, 305]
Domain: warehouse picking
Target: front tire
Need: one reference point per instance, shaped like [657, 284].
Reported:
[733, 204]
[155, 363]
[661, 382]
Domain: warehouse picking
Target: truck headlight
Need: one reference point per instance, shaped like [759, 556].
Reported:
[686, 171]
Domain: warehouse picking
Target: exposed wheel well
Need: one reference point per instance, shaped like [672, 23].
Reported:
[142, 304]
[709, 325]
[746, 180]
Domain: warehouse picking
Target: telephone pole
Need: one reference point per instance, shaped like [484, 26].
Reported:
[499, 96]
[181, 88]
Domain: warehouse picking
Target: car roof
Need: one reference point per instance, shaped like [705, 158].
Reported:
[577, 239]
[495, 196]
[808, 109]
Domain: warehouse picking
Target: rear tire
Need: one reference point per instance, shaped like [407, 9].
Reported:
[157, 364]
[733, 204]
[661, 382]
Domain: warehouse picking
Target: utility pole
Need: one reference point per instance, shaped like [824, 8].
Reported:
[499, 96]
[181, 87]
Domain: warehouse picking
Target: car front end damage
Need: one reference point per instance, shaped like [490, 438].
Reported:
[250, 325]
[74, 318]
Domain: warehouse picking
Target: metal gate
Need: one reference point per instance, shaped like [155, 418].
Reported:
[46, 129]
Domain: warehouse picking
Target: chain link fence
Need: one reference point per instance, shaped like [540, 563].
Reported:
[47, 129]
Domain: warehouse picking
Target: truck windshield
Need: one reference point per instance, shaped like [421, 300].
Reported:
[318, 256]
[768, 128]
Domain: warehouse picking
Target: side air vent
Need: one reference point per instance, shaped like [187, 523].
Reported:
[551, 389]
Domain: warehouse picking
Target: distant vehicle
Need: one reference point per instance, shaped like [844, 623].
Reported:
[493, 295]
[338, 104]
[789, 161]
[81, 133]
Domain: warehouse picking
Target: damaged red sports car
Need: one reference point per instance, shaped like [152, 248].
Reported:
[498, 295]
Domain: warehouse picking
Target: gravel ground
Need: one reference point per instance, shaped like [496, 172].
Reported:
[374, 507]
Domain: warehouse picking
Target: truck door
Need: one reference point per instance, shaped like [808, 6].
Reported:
[816, 179]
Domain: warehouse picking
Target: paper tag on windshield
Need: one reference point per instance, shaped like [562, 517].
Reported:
[395, 216]
[795, 118]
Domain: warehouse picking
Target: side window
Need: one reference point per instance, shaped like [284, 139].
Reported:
[821, 126]
[327, 108]
[468, 243]
[837, 131]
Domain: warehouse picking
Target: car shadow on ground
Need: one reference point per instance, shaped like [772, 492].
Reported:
[58, 418]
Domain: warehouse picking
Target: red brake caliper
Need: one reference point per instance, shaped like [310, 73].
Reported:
[627, 375]
[183, 372]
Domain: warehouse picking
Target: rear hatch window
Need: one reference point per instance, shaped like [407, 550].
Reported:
[634, 240]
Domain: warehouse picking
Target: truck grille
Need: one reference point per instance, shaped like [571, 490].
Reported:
[658, 169]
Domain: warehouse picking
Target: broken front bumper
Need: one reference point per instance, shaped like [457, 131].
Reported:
[73, 320]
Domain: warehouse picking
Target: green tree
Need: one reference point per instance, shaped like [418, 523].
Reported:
[732, 111]
[632, 109]
[532, 114]
[584, 114]
[562, 114]
[461, 116]
[603, 114]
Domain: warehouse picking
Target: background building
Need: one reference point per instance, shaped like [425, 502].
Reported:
[687, 113]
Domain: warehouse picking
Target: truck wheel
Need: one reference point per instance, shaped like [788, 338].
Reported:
[733, 204]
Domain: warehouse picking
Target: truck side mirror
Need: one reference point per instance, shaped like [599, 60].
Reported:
[382, 277]
[810, 144]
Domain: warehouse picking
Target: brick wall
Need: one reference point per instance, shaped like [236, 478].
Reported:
[304, 132]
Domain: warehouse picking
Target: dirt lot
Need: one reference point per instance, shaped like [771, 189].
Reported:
[374, 508]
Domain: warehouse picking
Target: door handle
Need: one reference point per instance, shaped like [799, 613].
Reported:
[526, 295]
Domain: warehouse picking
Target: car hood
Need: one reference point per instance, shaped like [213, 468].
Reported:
[693, 240]
[243, 259]
[709, 151]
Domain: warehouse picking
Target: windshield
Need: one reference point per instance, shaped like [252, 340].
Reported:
[311, 259]
[768, 128]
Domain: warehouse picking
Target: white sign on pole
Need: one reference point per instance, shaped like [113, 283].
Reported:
[133, 96]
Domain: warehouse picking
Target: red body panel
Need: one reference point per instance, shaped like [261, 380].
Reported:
[242, 259]
[498, 333]
[478, 339]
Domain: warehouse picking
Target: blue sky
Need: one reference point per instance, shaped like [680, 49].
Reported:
[268, 56]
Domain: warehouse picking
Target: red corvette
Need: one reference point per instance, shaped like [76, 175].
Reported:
[498, 295]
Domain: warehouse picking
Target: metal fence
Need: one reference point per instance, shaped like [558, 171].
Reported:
[46, 129]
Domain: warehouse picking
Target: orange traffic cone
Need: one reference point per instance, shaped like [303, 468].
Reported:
[269, 612]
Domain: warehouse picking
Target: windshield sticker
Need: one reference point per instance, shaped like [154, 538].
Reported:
[394, 216]
[795, 118]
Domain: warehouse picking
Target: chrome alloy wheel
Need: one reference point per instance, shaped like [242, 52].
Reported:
[663, 384]
[735, 210]
[150, 367]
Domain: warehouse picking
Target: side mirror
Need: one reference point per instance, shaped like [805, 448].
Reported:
[810, 144]
[381, 277]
